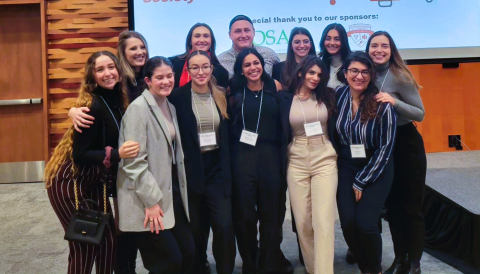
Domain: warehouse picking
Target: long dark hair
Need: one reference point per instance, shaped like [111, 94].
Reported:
[288, 71]
[323, 94]
[154, 63]
[368, 104]
[397, 65]
[344, 47]
[188, 43]
[239, 80]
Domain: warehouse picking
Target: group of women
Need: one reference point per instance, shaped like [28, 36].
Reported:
[220, 153]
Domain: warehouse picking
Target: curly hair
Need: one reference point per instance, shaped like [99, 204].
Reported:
[63, 151]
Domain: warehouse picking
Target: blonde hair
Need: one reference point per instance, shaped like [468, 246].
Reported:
[63, 151]
[122, 46]
[218, 93]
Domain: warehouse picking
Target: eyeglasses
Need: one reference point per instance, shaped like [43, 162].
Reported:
[354, 72]
[196, 70]
[305, 42]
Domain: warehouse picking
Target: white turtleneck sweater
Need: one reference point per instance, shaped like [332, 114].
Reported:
[335, 65]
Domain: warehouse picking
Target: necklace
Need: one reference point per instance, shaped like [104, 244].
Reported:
[256, 93]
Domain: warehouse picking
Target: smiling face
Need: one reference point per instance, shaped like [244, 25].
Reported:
[242, 34]
[135, 52]
[301, 45]
[161, 82]
[201, 39]
[252, 68]
[332, 42]
[200, 69]
[380, 50]
[358, 76]
[312, 78]
[105, 72]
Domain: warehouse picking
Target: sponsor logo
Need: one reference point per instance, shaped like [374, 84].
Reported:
[360, 33]
[270, 37]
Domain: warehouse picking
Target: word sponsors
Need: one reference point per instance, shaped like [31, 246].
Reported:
[293, 19]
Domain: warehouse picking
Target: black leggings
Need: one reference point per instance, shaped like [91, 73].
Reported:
[404, 204]
[359, 220]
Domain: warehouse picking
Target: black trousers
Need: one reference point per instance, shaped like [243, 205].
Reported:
[212, 209]
[404, 204]
[125, 261]
[256, 197]
[171, 251]
[359, 220]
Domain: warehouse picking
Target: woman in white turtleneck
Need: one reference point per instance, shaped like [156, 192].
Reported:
[334, 49]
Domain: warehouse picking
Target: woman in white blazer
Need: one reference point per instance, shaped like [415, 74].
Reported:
[152, 189]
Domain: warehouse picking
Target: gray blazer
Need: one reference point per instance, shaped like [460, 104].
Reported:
[147, 179]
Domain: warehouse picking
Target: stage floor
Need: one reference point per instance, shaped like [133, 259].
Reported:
[456, 175]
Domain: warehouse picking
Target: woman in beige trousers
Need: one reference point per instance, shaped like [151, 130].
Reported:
[311, 168]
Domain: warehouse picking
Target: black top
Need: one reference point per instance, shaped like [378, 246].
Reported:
[181, 98]
[89, 146]
[219, 72]
[269, 127]
[135, 89]
[277, 71]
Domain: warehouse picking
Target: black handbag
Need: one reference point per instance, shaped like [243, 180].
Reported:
[87, 225]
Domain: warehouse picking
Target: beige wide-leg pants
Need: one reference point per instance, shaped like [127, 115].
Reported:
[312, 184]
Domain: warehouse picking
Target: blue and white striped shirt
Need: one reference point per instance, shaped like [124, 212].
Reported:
[378, 135]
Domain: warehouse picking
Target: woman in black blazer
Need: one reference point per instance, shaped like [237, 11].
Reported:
[200, 37]
[207, 165]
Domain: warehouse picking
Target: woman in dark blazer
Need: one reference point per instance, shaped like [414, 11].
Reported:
[207, 165]
[199, 37]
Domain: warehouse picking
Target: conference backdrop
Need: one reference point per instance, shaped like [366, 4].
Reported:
[422, 29]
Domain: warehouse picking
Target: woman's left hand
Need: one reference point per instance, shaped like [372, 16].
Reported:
[358, 194]
[384, 97]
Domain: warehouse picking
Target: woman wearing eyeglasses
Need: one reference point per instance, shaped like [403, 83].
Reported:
[364, 136]
[202, 119]
[300, 45]
[334, 48]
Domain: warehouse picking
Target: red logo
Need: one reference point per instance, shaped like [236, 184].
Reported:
[360, 33]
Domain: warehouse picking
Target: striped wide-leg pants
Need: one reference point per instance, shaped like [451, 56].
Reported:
[62, 197]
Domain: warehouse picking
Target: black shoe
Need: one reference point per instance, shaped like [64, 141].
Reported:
[415, 270]
[286, 265]
[349, 257]
[399, 266]
[208, 270]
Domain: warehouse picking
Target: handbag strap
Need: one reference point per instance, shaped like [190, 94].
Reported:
[104, 196]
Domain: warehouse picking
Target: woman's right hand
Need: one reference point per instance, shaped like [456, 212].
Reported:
[80, 118]
[129, 149]
[153, 216]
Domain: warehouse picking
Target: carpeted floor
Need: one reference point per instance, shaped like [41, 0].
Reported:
[32, 239]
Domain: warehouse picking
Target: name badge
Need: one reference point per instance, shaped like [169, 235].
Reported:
[248, 137]
[207, 139]
[358, 151]
[312, 129]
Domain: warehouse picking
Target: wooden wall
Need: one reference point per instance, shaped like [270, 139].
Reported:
[452, 105]
[76, 29]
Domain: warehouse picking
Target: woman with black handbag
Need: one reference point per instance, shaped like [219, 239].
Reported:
[81, 163]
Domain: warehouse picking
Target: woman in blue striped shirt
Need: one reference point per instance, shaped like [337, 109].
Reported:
[364, 136]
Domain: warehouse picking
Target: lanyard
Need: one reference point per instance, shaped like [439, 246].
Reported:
[112, 112]
[259, 111]
[384, 80]
[198, 114]
[350, 119]
[316, 108]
